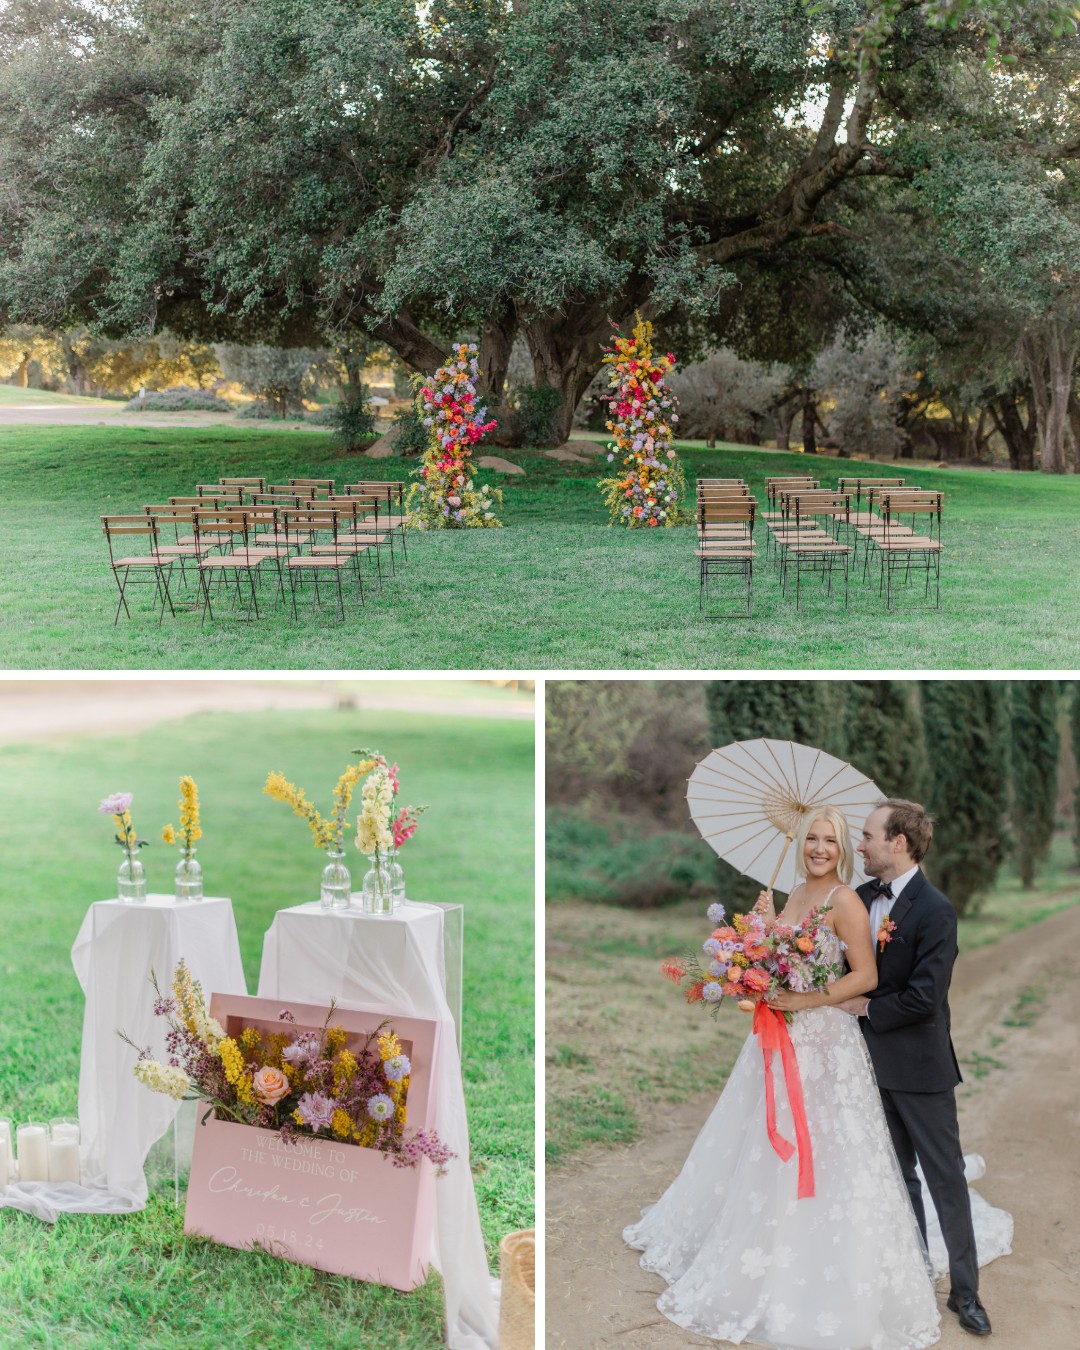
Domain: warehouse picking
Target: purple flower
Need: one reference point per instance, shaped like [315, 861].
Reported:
[397, 1067]
[285, 1016]
[717, 969]
[712, 992]
[116, 804]
[316, 1110]
[304, 1048]
[711, 946]
[380, 1107]
[715, 913]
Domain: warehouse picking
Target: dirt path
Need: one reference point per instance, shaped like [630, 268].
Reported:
[1019, 1108]
[35, 709]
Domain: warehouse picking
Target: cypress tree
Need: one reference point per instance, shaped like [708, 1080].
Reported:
[1035, 745]
[885, 736]
[810, 712]
[965, 726]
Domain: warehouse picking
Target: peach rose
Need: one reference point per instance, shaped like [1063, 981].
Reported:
[734, 974]
[270, 1085]
[756, 980]
[805, 945]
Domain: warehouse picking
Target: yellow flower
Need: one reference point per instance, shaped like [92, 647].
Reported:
[341, 1124]
[250, 1039]
[389, 1045]
[345, 1068]
[335, 1039]
[243, 1090]
[232, 1061]
[169, 834]
[189, 811]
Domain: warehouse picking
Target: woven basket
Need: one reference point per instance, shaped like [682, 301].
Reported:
[517, 1308]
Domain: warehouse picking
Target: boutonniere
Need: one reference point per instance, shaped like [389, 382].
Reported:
[885, 932]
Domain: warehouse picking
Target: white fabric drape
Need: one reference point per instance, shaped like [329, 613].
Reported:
[117, 947]
[394, 964]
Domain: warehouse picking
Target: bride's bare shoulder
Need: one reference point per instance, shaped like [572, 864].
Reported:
[845, 898]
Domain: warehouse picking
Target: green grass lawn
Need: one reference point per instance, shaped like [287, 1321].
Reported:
[556, 589]
[13, 397]
[92, 1281]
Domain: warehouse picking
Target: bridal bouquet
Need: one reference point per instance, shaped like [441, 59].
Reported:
[749, 961]
[301, 1083]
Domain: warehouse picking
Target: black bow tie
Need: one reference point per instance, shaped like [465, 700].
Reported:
[880, 888]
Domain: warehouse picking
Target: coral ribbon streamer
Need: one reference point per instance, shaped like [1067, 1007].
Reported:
[771, 1030]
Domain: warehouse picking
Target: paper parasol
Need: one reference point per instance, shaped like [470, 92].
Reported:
[748, 800]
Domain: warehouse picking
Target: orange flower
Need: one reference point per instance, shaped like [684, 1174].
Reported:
[673, 969]
[805, 945]
[734, 974]
[695, 993]
[270, 1085]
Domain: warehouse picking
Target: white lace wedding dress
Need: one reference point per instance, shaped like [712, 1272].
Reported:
[745, 1260]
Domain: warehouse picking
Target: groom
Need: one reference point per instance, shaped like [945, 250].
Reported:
[905, 1021]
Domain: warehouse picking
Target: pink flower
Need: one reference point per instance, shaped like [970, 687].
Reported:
[404, 826]
[392, 774]
[756, 981]
[454, 501]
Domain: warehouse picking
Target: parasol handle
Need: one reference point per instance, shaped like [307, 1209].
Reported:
[780, 861]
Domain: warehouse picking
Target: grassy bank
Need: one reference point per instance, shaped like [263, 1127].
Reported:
[95, 1280]
[556, 589]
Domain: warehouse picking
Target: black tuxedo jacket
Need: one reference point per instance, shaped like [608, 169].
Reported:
[907, 1024]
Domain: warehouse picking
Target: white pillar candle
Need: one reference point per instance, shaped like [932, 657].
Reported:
[33, 1145]
[6, 1143]
[64, 1160]
[4, 1170]
[65, 1129]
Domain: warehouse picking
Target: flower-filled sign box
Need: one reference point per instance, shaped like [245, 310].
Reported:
[336, 1206]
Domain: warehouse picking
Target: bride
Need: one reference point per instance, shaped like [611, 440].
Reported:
[747, 1260]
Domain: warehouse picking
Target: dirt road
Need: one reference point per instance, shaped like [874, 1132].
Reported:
[1019, 1108]
[34, 709]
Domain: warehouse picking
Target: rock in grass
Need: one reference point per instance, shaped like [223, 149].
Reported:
[499, 465]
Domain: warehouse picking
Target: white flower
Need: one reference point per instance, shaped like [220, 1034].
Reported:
[208, 1028]
[826, 1324]
[372, 835]
[162, 1078]
[755, 1263]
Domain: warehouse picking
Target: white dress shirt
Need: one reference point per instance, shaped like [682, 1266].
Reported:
[881, 907]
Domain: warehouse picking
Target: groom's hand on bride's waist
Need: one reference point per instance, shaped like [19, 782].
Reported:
[856, 1006]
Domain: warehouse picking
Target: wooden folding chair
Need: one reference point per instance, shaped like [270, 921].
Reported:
[726, 545]
[243, 560]
[802, 540]
[314, 487]
[170, 520]
[247, 484]
[132, 566]
[899, 545]
[330, 560]
[391, 495]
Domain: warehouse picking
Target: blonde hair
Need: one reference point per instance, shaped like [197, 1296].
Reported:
[845, 864]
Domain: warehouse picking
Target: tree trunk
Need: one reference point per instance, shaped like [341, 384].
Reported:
[1061, 359]
[496, 342]
[809, 423]
[1019, 439]
[566, 357]
[1031, 350]
[1074, 426]
[784, 417]
[22, 373]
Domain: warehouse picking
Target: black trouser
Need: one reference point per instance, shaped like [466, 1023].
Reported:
[923, 1125]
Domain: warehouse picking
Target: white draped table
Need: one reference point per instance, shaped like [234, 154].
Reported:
[396, 964]
[117, 947]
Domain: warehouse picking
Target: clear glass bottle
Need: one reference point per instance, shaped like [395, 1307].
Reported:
[397, 876]
[378, 887]
[188, 879]
[336, 882]
[131, 881]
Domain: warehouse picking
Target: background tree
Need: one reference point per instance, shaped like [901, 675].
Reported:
[1035, 742]
[726, 398]
[1075, 726]
[884, 734]
[966, 730]
[278, 375]
[278, 172]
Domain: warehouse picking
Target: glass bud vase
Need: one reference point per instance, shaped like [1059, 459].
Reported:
[397, 876]
[131, 881]
[188, 879]
[378, 888]
[336, 882]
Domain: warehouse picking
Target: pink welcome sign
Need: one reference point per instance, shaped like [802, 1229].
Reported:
[334, 1206]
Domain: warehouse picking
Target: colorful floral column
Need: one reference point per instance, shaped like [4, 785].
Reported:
[651, 490]
[445, 496]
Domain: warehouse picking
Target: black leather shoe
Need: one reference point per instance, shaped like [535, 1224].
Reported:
[972, 1314]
